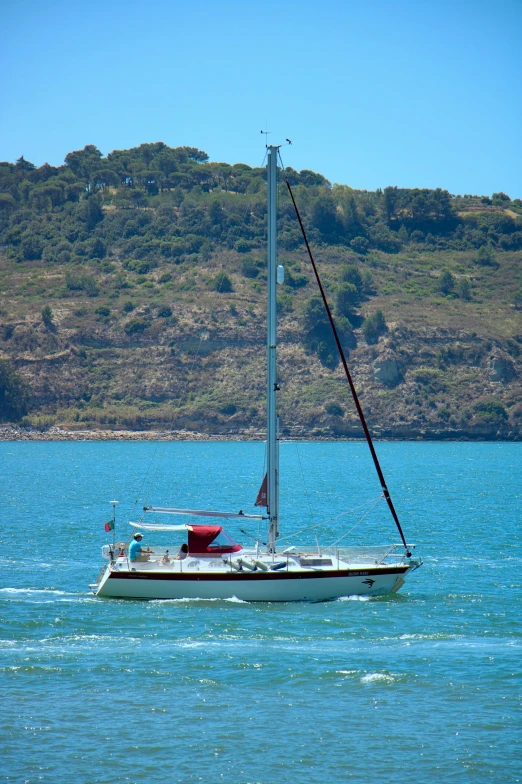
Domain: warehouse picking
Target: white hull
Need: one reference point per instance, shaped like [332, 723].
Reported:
[254, 586]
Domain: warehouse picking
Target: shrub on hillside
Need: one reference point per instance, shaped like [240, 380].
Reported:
[374, 326]
[243, 246]
[446, 282]
[463, 289]
[318, 335]
[47, 316]
[346, 299]
[285, 303]
[295, 279]
[511, 241]
[382, 238]
[334, 409]
[103, 312]
[351, 274]
[250, 268]
[360, 245]
[139, 266]
[221, 283]
[490, 412]
[31, 248]
[485, 256]
[136, 326]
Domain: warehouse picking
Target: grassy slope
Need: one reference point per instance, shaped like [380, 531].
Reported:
[203, 367]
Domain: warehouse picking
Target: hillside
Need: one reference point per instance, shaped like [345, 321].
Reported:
[133, 298]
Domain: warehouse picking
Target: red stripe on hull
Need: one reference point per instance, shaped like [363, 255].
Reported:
[252, 576]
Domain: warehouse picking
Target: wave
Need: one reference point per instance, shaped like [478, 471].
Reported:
[354, 598]
[45, 591]
[232, 600]
[373, 677]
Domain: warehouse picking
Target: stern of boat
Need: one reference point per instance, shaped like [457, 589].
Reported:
[100, 580]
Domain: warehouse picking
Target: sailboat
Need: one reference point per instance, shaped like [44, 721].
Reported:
[212, 565]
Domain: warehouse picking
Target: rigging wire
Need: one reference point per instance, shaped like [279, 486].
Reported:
[347, 372]
[358, 522]
[304, 485]
[373, 501]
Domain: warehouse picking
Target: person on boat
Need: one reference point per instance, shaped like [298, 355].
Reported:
[136, 551]
[183, 552]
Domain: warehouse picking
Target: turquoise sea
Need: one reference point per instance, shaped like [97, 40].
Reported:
[424, 686]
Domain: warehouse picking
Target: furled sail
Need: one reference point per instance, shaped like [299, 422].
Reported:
[261, 499]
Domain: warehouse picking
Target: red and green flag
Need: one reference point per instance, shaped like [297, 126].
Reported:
[109, 526]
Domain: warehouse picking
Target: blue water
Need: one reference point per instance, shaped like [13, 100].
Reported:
[424, 686]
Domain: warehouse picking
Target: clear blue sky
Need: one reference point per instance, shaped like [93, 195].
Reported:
[372, 93]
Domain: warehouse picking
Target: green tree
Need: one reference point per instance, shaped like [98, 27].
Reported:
[97, 248]
[351, 274]
[14, 394]
[360, 245]
[446, 282]
[403, 235]
[136, 326]
[82, 162]
[24, 165]
[324, 216]
[311, 179]
[7, 203]
[318, 335]
[48, 316]
[464, 289]
[490, 412]
[346, 299]
[390, 200]
[138, 198]
[101, 178]
[334, 409]
[196, 155]
[54, 193]
[222, 283]
[374, 326]
[368, 284]
[314, 314]
[485, 256]
[31, 248]
[250, 267]
[381, 237]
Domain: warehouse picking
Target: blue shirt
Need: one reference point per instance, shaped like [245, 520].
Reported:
[134, 550]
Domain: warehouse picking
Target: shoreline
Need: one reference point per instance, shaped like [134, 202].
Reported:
[15, 433]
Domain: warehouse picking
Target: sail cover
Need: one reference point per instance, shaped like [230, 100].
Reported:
[208, 539]
[261, 499]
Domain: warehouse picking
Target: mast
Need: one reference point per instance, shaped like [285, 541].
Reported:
[272, 385]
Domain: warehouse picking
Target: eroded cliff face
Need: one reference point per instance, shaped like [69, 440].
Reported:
[193, 373]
